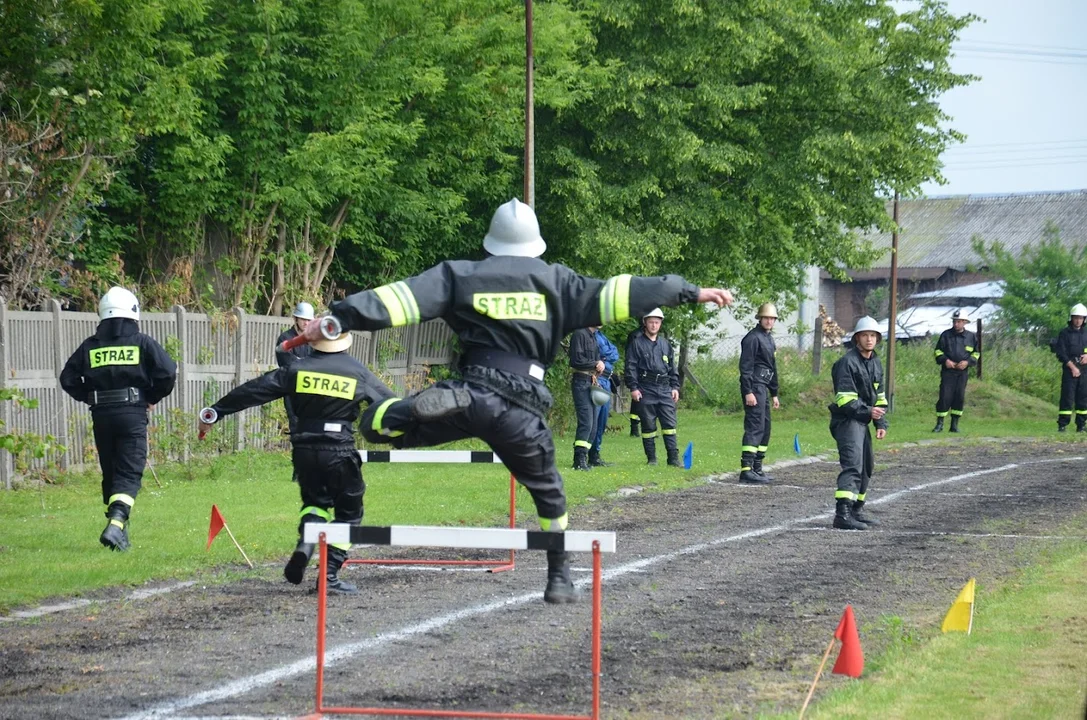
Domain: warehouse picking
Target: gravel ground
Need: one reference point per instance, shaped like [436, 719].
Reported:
[719, 603]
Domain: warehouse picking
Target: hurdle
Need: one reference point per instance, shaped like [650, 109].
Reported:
[443, 457]
[452, 537]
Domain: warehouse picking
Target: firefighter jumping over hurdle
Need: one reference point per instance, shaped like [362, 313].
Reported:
[510, 311]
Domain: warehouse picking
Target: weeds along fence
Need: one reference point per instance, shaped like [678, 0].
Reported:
[214, 354]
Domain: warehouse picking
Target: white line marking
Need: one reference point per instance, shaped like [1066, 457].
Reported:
[344, 652]
[49, 609]
[940, 533]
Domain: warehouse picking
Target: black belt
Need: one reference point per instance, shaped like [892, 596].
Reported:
[505, 361]
[654, 377]
[324, 427]
[124, 396]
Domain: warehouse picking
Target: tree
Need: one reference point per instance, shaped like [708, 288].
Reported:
[1041, 284]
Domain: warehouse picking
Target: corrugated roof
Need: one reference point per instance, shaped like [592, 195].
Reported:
[938, 232]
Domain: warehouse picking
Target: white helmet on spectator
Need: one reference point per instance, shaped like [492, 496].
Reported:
[118, 303]
[868, 324]
[655, 312]
[304, 311]
[960, 314]
[1078, 309]
[514, 231]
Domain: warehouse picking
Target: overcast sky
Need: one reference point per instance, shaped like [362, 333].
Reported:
[1026, 119]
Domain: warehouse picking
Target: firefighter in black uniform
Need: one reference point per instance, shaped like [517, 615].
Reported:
[510, 312]
[303, 313]
[956, 352]
[585, 364]
[635, 418]
[653, 381]
[1070, 346]
[858, 400]
[759, 390]
[121, 373]
[326, 388]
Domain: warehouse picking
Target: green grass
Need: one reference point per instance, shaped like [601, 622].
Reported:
[1024, 659]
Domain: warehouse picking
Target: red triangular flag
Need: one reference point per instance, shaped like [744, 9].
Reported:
[217, 524]
[851, 659]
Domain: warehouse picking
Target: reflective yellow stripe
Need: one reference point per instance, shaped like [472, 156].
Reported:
[380, 414]
[969, 348]
[975, 355]
[646, 436]
[939, 352]
[763, 448]
[843, 495]
[668, 431]
[407, 298]
[860, 497]
[319, 512]
[844, 398]
[582, 444]
[341, 546]
[118, 523]
[393, 305]
[959, 412]
[560, 523]
[634, 417]
[748, 448]
[743, 469]
[615, 299]
[1064, 412]
[1081, 412]
[881, 399]
[122, 498]
[941, 414]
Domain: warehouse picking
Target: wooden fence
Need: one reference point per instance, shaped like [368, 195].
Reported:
[213, 353]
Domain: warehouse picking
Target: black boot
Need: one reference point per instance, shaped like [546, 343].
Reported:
[843, 516]
[939, 424]
[860, 516]
[115, 536]
[581, 459]
[650, 447]
[748, 476]
[635, 427]
[756, 467]
[596, 461]
[560, 589]
[673, 458]
[295, 568]
[954, 424]
[1062, 428]
[438, 402]
[336, 584]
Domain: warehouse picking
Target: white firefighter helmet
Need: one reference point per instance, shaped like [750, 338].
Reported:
[337, 344]
[868, 324]
[514, 231]
[303, 310]
[1078, 309]
[960, 314]
[599, 396]
[655, 312]
[118, 303]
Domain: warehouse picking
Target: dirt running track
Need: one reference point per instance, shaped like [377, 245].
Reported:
[718, 604]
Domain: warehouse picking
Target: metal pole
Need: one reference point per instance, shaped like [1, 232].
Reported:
[890, 380]
[530, 124]
[977, 348]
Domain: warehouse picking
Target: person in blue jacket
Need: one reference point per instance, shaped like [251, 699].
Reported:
[610, 355]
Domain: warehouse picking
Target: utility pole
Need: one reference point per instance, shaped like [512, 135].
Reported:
[530, 123]
[889, 381]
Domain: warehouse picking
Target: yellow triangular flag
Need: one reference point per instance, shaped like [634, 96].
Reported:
[961, 615]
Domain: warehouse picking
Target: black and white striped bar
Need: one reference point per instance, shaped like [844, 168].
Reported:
[429, 456]
[467, 538]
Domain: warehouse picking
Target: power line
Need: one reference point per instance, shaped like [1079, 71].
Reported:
[1025, 46]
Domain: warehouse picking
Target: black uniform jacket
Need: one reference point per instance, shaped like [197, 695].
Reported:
[858, 388]
[326, 390]
[650, 364]
[956, 347]
[119, 356]
[584, 352]
[1071, 343]
[518, 305]
[283, 359]
[758, 366]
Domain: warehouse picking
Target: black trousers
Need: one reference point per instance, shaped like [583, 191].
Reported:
[1073, 397]
[952, 392]
[757, 422]
[657, 404]
[855, 455]
[120, 434]
[581, 386]
[519, 437]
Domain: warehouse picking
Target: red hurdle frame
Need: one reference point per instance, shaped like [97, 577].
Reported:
[496, 566]
[322, 618]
